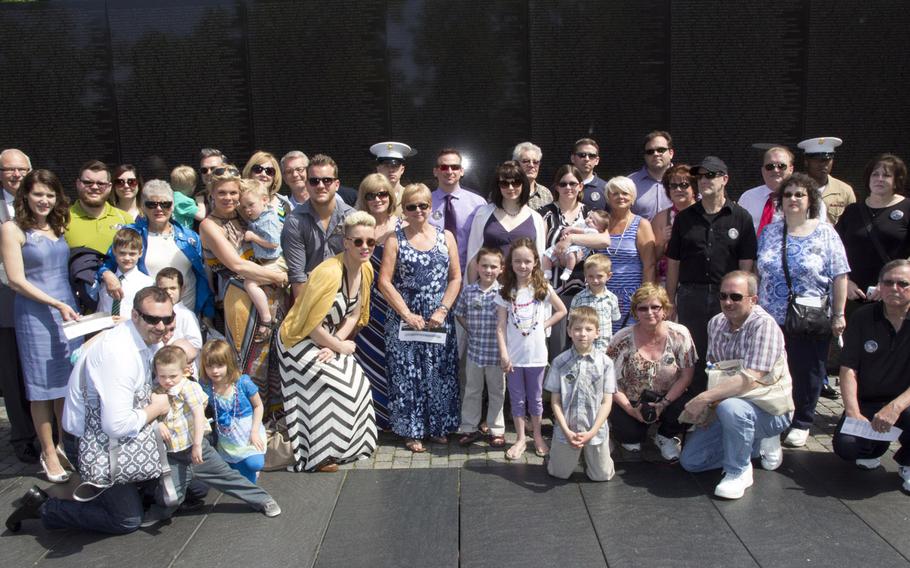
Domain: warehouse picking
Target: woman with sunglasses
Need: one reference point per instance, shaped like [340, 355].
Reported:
[566, 211]
[165, 244]
[263, 167]
[127, 183]
[817, 268]
[507, 218]
[326, 395]
[654, 361]
[420, 277]
[682, 190]
[376, 196]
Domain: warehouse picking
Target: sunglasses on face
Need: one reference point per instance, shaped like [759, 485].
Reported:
[155, 320]
[415, 206]
[221, 170]
[509, 183]
[644, 309]
[373, 196]
[775, 166]
[583, 155]
[710, 175]
[448, 167]
[734, 297]
[315, 181]
[902, 284]
[164, 205]
[358, 242]
[392, 163]
[569, 184]
[680, 185]
[267, 170]
[652, 151]
[131, 182]
[794, 195]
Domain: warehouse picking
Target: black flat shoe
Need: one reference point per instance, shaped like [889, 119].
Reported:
[28, 507]
[26, 453]
[829, 392]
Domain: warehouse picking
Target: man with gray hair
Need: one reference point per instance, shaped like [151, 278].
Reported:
[293, 168]
[209, 159]
[14, 165]
[528, 155]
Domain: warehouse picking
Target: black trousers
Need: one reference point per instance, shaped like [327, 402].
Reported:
[22, 430]
[854, 448]
[628, 430]
[696, 304]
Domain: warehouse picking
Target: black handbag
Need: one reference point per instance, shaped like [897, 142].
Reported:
[807, 321]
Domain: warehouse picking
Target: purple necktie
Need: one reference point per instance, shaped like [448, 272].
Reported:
[450, 216]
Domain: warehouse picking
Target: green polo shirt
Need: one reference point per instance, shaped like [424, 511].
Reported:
[98, 234]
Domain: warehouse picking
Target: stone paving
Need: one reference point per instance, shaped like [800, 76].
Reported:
[391, 453]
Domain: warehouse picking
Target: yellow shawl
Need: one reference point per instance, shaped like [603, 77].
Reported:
[314, 304]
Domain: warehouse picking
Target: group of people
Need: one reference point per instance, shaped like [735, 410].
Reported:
[645, 299]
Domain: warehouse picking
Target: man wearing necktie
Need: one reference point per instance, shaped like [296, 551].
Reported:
[761, 201]
[453, 205]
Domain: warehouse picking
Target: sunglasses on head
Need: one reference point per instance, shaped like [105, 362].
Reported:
[268, 170]
[132, 182]
[775, 166]
[902, 284]
[448, 167]
[415, 206]
[223, 170]
[358, 242]
[155, 320]
[584, 155]
[164, 205]
[734, 297]
[680, 185]
[374, 195]
[314, 181]
[651, 151]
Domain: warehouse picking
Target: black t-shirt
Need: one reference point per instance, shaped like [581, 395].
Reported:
[880, 357]
[709, 246]
[890, 225]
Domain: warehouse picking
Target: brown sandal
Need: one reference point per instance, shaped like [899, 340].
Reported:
[498, 442]
[263, 332]
[469, 438]
[416, 446]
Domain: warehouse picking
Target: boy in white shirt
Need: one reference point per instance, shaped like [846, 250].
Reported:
[127, 248]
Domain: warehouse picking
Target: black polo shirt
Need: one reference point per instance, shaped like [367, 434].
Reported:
[709, 246]
[595, 194]
[880, 357]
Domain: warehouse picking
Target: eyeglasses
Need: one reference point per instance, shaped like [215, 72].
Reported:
[204, 171]
[651, 151]
[584, 155]
[776, 166]
[132, 182]
[710, 175]
[220, 171]
[680, 185]
[22, 171]
[358, 242]
[415, 206]
[824, 156]
[300, 170]
[644, 309]
[101, 184]
[902, 284]
[164, 205]
[794, 195]
[734, 297]
[393, 163]
[374, 195]
[155, 320]
[569, 184]
[267, 170]
[326, 181]
[529, 162]
[448, 167]
[509, 183]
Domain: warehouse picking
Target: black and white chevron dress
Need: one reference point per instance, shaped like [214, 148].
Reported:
[329, 408]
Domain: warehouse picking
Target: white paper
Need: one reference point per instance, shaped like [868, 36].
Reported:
[87, 325]
[810, 301]
[408, 333]
[863, 429]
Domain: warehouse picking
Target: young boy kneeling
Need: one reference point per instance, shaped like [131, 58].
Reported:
[582, 384]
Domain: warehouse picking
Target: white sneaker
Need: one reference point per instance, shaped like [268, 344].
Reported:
[904, 472]
[869, 464]
[796, 438]
[631, 447]
[669, 447]
[771, 453]
[734, 487]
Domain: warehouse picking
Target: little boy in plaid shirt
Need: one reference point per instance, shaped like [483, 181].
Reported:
[476, 312]
[598, 270]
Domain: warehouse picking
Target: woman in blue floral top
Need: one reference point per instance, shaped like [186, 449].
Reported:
[818, 268]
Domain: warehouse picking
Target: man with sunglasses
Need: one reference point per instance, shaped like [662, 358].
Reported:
[652, 198]
[819, 159]
[14, 165]
[874, 381]
[709, 239]
[454, 206]
[93, 221]
[741, 428]
[390, 162]
[761, 201]
[314, 231]
[585, 156]
[209, 159]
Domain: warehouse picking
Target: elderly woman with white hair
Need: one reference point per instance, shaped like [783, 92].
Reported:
[632, 247]
[529, 156]
[165, 244]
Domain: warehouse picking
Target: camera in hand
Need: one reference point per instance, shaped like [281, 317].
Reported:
[646, 405]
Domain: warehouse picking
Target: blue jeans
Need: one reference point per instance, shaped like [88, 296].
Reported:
[732, 439]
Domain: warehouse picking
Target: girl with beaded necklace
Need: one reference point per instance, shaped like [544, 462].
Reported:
[527, 309]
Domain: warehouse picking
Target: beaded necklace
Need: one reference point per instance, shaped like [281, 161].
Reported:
[525, 324]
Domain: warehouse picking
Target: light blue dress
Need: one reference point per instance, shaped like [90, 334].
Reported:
[43, 349]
